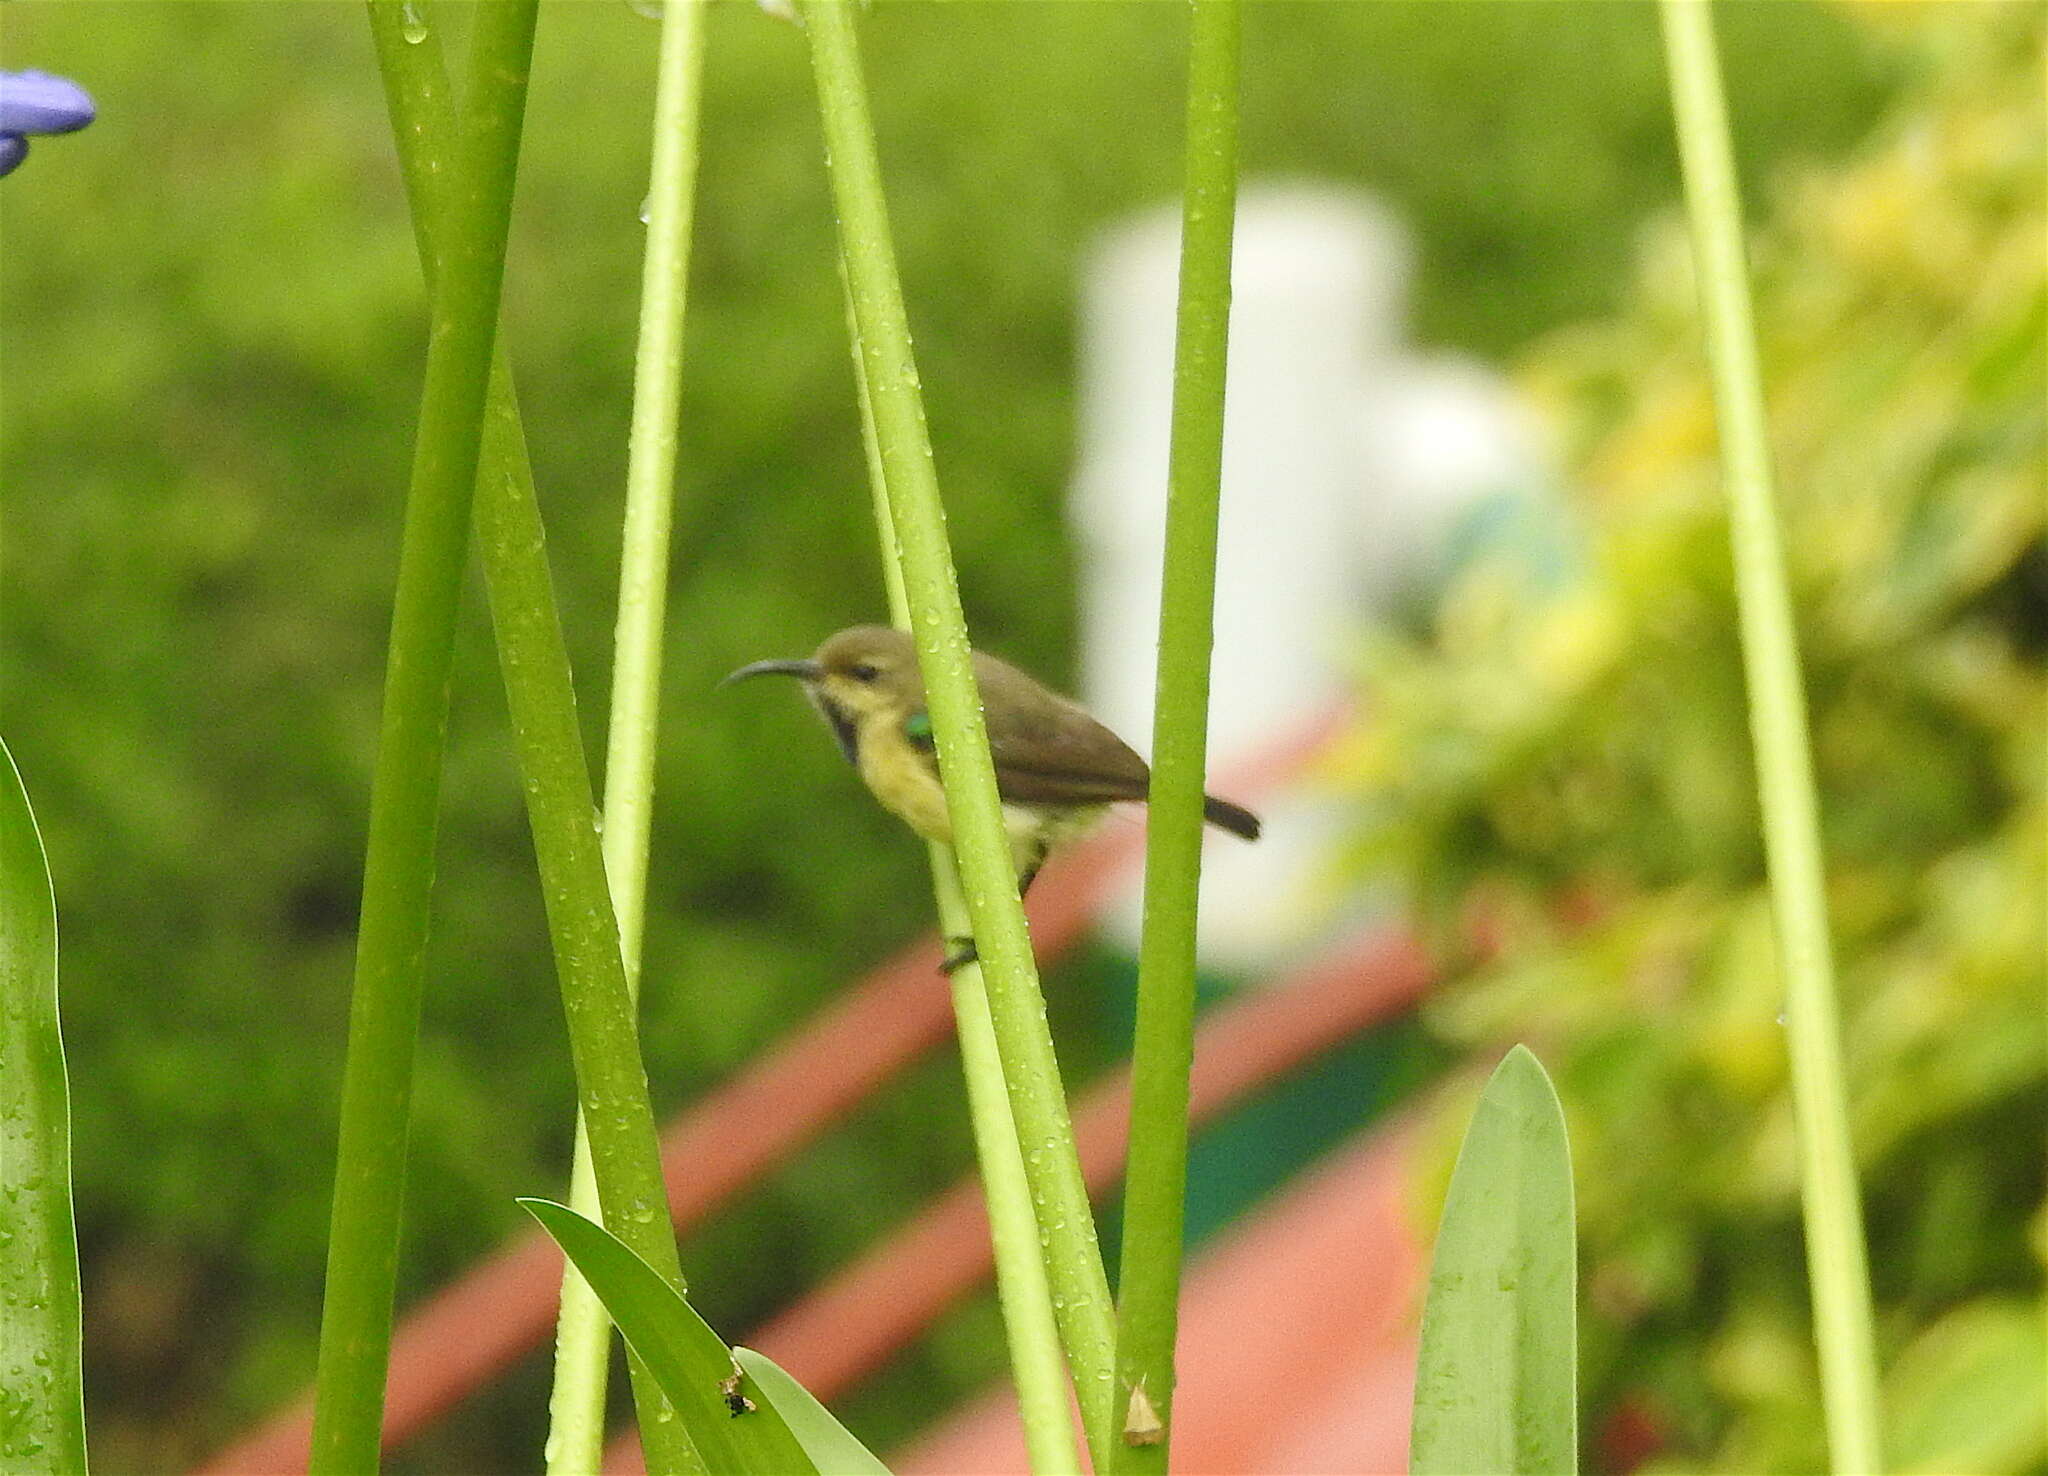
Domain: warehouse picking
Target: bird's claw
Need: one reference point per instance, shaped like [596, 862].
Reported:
[963, 954]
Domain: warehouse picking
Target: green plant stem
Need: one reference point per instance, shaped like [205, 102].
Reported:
[398, 864]
[583, 1330]
[1163, 1050]
[1030, 1069]
[1037, 1366]
[1030, 1323]
[1836, 1258]
[42, 1400]
[541, 698]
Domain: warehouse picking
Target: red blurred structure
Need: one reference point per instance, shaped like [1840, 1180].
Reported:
[470, 1332]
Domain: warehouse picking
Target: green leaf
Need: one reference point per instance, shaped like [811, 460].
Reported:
[831, 1446]
[1965, 1395]
[1496, 1383]
[42, 1411]
[691, 1363]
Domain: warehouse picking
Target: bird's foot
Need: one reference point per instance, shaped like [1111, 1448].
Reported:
[962, 954]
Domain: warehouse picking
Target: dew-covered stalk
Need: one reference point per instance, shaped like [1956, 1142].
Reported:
[398, 864]
[540, 696]
[583, 1330]
[1031, 1071]
[1836, 1260]
[1037, 1366]
[1163, 1050]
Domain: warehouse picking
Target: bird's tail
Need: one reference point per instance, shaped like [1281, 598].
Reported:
[1234, 818]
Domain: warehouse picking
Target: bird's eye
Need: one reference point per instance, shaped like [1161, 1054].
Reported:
[862, 671]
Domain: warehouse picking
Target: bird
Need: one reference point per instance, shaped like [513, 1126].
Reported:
[1057, 769]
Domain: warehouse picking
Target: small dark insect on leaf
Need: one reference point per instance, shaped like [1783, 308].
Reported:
[736, 1403]
[1141, 1420]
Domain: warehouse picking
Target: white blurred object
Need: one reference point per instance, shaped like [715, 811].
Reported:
[1448, 446]
[1346, 465]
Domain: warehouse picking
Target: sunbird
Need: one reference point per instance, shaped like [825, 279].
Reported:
[1057, 768]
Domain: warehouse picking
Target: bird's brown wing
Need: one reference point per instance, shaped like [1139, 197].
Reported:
[1047, 750]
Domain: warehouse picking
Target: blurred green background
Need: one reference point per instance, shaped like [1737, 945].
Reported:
[212, 331]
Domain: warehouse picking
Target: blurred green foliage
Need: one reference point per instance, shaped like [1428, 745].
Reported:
[1569, 773]
[212, 325]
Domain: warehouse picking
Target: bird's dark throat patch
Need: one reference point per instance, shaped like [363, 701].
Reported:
[842, 725]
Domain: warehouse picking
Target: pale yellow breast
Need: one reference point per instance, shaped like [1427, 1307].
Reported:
[904, 780]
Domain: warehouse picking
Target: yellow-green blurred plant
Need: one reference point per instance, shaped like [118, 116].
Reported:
[1572, 767]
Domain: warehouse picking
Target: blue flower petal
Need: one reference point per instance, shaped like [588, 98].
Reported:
[13, 149]
[36, 102]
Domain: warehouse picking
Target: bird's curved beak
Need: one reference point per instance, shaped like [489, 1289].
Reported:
[808, 671]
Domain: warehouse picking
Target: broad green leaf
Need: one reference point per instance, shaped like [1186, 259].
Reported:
[1496, 1383]
[690, 1362]
[830, 1445]
[1966, 1394]
[42, 1413]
